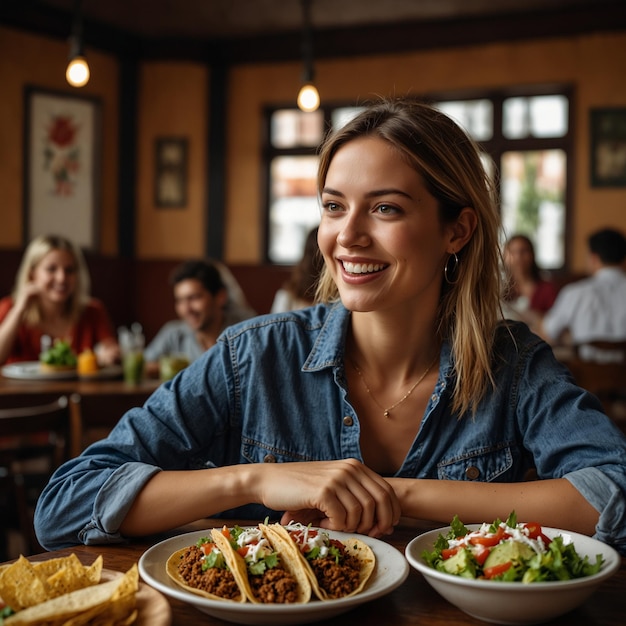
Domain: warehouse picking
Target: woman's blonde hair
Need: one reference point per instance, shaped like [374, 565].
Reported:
[449, 162]
[37, 249]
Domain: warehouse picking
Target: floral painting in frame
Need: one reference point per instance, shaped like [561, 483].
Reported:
[61, 166]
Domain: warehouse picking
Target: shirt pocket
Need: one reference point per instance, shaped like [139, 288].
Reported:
[254, 451]
[482, 464]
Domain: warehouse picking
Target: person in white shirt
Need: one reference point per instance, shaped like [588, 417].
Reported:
[593, 308]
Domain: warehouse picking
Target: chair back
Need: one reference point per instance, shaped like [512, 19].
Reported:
[34, 441]
[605, 378]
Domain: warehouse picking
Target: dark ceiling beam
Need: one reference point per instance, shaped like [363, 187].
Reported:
[335, 43]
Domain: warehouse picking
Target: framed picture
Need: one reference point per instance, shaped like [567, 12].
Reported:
[62, 136]
[608, 147]
[170, 179]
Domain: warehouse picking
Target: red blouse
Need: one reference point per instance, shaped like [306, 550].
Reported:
[93, 326]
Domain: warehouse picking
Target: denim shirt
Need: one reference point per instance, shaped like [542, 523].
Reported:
[273, 390]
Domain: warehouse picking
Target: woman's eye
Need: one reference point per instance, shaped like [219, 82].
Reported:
[331, 207]
[386, 209]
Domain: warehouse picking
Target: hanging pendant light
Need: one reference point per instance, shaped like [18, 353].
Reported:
[308, 96]
[77, 72]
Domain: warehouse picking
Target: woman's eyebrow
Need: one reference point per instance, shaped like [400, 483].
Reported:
[371, 194]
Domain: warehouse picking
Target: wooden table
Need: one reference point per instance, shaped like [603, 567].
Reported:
[413, 603]
[101, 401]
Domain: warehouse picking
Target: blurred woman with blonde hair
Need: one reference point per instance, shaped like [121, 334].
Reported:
[51, 298]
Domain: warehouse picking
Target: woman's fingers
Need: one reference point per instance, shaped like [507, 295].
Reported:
[339, 495]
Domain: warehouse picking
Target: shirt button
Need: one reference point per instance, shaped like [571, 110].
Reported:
[472, 472]
[347, 421]
[433, 398]
[269, 458]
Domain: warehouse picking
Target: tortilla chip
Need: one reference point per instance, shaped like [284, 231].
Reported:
[84, 605]
[21, 587]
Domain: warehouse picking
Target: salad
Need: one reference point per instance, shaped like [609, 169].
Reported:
[508, 551]
[59, 354]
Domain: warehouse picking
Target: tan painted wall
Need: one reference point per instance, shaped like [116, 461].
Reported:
[173, 101]
[32, 60]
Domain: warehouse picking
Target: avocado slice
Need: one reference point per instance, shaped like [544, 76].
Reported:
[460, 564]
[514, 551]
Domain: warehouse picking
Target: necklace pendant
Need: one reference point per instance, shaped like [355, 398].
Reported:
[386, 414]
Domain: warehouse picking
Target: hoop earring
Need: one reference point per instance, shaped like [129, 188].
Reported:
[452, 271]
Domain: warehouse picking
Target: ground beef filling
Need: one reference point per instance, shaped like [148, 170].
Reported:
[337, 579]
[275, 585]
[215, 580]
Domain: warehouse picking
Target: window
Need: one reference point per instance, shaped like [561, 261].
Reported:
[292, 177]
[526, 141]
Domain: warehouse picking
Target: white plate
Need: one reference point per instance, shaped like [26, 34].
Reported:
[31, 370]
[391, 571]
[111, 371]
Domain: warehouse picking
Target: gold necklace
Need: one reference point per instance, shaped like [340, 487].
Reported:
[387, 411]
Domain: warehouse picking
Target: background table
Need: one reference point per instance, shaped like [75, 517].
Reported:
[413, 603]
[101, 401]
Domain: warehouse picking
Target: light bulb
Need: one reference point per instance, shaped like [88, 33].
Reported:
[77, 72]
[308, 98]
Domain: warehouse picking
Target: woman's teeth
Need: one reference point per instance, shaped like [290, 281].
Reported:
[362, 268]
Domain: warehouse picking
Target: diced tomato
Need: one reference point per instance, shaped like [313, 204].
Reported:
[446, 553]
[226, 532]
[480, 553]
[535, 532]
[491, 540]
[496, 570]
[243, 550]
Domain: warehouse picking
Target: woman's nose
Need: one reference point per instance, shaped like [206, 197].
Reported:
[354, 231]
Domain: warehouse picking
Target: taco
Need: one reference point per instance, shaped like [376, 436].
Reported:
[335, 569]
[203, 570]
[263, 571]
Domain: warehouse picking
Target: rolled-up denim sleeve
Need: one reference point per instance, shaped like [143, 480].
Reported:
[114, 501]
[607, 498]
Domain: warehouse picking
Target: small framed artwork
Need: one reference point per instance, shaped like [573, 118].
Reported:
[170, 188]
[62, 137]
[608, 147]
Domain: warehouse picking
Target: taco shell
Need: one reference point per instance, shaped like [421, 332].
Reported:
[240, 571]
[171, 567]
[353, 546]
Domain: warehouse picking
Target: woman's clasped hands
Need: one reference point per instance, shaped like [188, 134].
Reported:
[342, 495]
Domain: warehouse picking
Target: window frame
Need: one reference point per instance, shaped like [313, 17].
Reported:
[494, 147]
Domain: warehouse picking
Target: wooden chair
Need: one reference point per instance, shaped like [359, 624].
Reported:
[606, 380]
[34, 441]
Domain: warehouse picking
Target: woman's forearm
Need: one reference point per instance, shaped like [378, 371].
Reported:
[549, 502]
[172, 499]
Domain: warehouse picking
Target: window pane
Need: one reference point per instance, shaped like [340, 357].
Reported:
[342, 115]
[539, 116]
[548, 116]
[294, 209]
[475, 116]
[533, 201]
[292, 128]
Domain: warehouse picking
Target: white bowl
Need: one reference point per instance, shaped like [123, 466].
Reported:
[515, 602]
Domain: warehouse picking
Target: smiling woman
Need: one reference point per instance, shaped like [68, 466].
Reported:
[51, 301]
[410, 293]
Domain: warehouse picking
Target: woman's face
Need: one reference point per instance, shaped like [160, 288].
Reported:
[56, 276]
[380, 232]
[518, 256]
